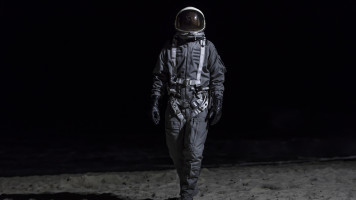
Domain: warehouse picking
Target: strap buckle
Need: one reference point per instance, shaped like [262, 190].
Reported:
[187, 82]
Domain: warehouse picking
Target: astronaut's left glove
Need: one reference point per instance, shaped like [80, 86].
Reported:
[155, 109]
[216, 111]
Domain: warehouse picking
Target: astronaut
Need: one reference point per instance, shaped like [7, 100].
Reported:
[190, 71]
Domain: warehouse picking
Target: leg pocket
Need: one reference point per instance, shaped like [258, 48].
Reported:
[200, 131]
[195, 137]
[172, 127]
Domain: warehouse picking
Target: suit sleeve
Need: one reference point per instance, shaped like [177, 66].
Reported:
[160, 74]
[217, 72]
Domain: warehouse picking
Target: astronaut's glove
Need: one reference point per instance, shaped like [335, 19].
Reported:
[155, 109]
[215, 111]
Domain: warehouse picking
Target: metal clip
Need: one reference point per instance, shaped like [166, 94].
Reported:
[186, 82]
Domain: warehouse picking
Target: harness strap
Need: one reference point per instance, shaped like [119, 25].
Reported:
[200, 105]
[201, 61]
[173, 70]
[186, 82]
[174, 52]
[174, 104]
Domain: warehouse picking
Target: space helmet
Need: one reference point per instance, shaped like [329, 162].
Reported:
[190, 20]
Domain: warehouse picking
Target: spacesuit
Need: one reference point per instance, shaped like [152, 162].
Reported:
[190, 71]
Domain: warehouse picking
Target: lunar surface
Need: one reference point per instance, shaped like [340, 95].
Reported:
[333, 180]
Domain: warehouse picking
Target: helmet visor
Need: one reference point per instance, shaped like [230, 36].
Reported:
[190, 20]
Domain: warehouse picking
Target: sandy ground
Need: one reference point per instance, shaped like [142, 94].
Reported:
[333, 180]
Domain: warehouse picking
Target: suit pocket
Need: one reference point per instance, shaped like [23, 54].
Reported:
[172, 127]
[172, 124]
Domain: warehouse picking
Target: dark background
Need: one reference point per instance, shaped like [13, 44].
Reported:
[76, 80]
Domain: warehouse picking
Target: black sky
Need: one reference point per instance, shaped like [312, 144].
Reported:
[85, 66]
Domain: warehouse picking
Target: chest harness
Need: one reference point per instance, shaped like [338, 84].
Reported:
[201, 93]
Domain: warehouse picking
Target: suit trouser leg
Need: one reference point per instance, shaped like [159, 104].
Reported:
[186, 145]
[175, 140]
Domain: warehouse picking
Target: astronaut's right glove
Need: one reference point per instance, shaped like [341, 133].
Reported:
[215, 111]
[155, 109]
